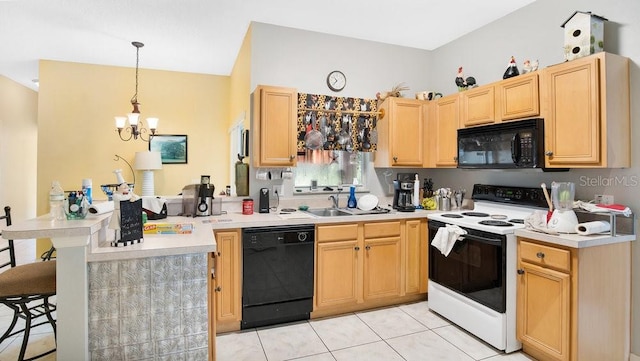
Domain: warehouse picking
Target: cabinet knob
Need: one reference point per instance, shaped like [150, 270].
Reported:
[540, 255]
[367, 247]
[455, 158]
[357, 248]
[291, 158]
[520, 271]
[548, 153]
[218, 289]
[395, 159]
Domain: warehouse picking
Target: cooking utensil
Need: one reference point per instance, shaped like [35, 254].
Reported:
[546, 196]
[313, 139]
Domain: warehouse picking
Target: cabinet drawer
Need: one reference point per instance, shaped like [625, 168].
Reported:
[381, 229]
[545, 256]
[341, 232]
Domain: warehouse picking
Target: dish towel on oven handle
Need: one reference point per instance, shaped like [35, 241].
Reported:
[446, 237]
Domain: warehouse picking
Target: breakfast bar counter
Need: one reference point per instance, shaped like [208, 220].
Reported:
[92, 277]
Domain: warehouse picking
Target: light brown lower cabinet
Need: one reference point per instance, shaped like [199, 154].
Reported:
[365, 265]
[227, 288]
[574, 304]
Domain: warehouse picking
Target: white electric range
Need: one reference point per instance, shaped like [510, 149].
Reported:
[474, 286]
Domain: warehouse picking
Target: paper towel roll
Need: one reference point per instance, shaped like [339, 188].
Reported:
[594, 227]
[102, 207]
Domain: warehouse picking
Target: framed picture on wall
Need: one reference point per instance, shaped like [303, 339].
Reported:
[172, 148]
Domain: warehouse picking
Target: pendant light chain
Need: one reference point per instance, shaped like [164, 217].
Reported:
[134, 100]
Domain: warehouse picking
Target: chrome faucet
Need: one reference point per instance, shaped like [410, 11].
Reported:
[336, 198]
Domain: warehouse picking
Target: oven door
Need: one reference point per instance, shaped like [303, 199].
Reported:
[475, 267]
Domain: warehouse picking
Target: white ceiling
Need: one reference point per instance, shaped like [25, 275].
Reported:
[204, 36]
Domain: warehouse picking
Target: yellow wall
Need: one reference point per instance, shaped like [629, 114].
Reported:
[76, 130]
[241, 82]
[18, 141]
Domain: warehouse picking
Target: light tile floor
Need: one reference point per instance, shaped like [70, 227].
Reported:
[407, 332]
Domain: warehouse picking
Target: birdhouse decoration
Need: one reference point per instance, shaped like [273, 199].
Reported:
[583, 35]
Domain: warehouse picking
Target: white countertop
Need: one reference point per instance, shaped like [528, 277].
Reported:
[575, 240]
[45, 227]
[238, 220]
[201, 240]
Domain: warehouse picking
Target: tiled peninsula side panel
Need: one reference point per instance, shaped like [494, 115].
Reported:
[149, 309]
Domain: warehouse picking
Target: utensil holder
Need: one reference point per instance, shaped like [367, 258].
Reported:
[444, 204]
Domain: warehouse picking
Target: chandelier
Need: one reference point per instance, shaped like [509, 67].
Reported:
[136, 129]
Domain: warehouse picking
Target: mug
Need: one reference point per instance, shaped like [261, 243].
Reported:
[428, 95]
[431, 95]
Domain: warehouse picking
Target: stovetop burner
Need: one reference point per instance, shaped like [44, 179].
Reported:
[451, 215]
[496, 223]
[517, 220]
[475, 214]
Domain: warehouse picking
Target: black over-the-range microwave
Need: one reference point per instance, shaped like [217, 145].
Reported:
[509, 145]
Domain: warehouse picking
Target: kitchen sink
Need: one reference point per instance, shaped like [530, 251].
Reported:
[328, 212]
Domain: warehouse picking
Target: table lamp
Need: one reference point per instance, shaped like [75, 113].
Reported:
[147, 162]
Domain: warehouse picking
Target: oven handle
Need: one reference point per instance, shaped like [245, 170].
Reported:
[493, 242]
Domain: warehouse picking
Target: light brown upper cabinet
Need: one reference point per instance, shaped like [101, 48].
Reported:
[274, 126]
[513, 98]
[478, 106]
[443, 131]
[587, 121]
[400, 131]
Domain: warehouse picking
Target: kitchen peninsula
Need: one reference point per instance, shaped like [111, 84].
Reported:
[110, 298]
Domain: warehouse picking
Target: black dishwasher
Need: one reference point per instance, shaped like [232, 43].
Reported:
[277, 274]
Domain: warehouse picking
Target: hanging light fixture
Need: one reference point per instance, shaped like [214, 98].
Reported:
[136, 129]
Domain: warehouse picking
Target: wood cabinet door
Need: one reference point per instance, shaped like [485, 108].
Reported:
[406, 130]
[543, 310]
[572, 120]
[415, 257]
[228, 291]
[382, 267]
[337, 273]
[212, 259]
[446, 119]
[275, 139]
[518, 97]
[478, 106]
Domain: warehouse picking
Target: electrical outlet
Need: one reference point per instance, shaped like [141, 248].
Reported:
[597, 199]
[607, 199]
[277, 189]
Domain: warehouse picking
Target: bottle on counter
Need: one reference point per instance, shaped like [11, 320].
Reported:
[56, 202]
[87, 186]
[351, 202]
[416, 192]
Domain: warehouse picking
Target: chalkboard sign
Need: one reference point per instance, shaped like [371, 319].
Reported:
[130, 223]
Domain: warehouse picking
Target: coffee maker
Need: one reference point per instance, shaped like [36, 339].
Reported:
[205, 197]
[403, 192]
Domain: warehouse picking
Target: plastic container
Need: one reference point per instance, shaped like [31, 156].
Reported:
[352, 202]
[56, 202]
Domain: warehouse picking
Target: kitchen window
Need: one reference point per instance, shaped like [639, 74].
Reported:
[331, 168]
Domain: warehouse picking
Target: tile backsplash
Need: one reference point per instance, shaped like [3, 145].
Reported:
[149, 308]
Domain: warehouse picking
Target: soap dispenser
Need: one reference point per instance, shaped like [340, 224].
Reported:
[352, 203]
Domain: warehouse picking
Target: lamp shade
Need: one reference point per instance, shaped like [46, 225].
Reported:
[147, 161]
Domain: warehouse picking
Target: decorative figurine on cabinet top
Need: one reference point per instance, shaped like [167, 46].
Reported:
[583, 34]
[529, 66]
[512, 70]
[462, 83]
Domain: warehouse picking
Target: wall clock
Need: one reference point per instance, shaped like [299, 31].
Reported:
[336, 80]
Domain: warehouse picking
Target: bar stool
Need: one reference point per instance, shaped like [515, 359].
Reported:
[26, 290]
